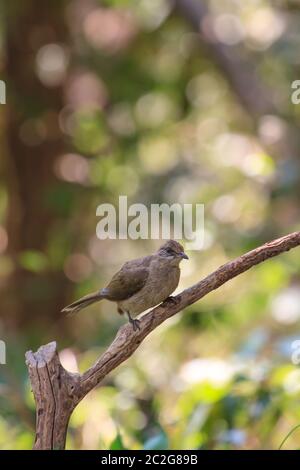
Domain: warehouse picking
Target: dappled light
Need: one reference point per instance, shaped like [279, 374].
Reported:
[163, 105]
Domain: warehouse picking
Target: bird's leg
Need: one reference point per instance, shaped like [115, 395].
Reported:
[134, 322]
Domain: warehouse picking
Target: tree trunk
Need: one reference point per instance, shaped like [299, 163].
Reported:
[53, 390]
[33, 143]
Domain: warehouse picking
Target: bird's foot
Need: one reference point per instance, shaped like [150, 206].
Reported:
[135, 324]
[172, 300]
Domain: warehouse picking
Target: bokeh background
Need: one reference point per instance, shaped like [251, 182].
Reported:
[186, 101]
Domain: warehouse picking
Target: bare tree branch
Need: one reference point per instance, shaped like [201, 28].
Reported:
[57, 392]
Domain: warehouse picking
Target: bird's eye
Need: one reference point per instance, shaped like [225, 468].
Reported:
[170, 252]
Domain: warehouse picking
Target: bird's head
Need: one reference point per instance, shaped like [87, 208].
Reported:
[172, 251]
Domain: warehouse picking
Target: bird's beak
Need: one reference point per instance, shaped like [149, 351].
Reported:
[183, 255]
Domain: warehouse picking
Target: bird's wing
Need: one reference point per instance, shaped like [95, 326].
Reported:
[129, 280]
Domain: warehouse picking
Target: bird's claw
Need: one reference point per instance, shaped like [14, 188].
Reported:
[134, 322]
[135, 325]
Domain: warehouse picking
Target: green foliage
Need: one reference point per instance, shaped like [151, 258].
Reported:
[117, 443]
[33, 260]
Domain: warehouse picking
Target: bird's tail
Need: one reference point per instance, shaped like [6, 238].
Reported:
[82, 303]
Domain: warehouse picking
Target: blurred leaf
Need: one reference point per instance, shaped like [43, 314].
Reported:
[117, 443]
[90, 134]
[32, 260]
[272, 275]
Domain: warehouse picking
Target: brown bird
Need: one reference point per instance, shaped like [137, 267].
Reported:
[140, 284]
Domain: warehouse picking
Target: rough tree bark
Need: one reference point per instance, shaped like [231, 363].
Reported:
[57, 391]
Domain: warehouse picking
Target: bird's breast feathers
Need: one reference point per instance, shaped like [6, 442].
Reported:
[162, 280]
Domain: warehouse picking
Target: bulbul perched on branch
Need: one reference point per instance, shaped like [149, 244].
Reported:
[140, 284]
